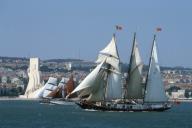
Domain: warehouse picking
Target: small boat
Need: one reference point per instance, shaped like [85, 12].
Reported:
[62, 102]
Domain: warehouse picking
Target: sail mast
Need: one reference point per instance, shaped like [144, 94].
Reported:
[106, 82]
[114, 36]
[154, 38]
[129, 68]
[107, 75]
[108, 71]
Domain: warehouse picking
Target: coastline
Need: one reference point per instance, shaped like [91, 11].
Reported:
[31, 99]
[17, 98]
[181, 100]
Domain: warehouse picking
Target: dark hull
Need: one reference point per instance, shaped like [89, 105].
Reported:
[130, 108]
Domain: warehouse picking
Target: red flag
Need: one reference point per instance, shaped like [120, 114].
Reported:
[158, 29]
[118, 27]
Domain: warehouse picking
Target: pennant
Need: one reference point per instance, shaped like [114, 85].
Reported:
[118, 27]
[158, 29]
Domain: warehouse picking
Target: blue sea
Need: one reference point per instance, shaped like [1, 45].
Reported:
[32, 114]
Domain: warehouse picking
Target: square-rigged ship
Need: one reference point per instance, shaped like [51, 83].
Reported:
[103, 90]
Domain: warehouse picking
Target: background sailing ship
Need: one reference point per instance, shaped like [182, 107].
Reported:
[57, 94]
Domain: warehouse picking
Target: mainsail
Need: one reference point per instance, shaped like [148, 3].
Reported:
[104, 82]
[113, 84]
[134, 87]
[155, 91]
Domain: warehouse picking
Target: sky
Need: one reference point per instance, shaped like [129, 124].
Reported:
[80, 29]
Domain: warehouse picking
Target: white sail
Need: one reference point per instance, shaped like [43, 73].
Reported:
[114, 87]
[155, 91]
[104, 82]
[110, 53]
[134, 87]
[50, 86]
[90, 83]
[98, 93]
[62, 85]
[37, 94]
[111, 49]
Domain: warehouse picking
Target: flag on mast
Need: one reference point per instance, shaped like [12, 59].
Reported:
[118, 27]
[158, 29]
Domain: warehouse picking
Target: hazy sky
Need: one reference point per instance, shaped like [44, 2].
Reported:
[81, 28]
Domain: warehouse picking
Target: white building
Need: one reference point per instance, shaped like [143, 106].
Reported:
[178, 94]
[22, 74]
[79, 64]
[34, 77]
[4, 79]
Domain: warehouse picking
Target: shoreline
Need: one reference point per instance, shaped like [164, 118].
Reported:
[31, 99]
[17, 98]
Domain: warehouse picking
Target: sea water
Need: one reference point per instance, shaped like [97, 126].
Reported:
[32, 114]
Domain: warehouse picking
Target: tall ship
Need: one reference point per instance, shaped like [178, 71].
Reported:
[63, 89]
[59, 93]
[104, 90]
